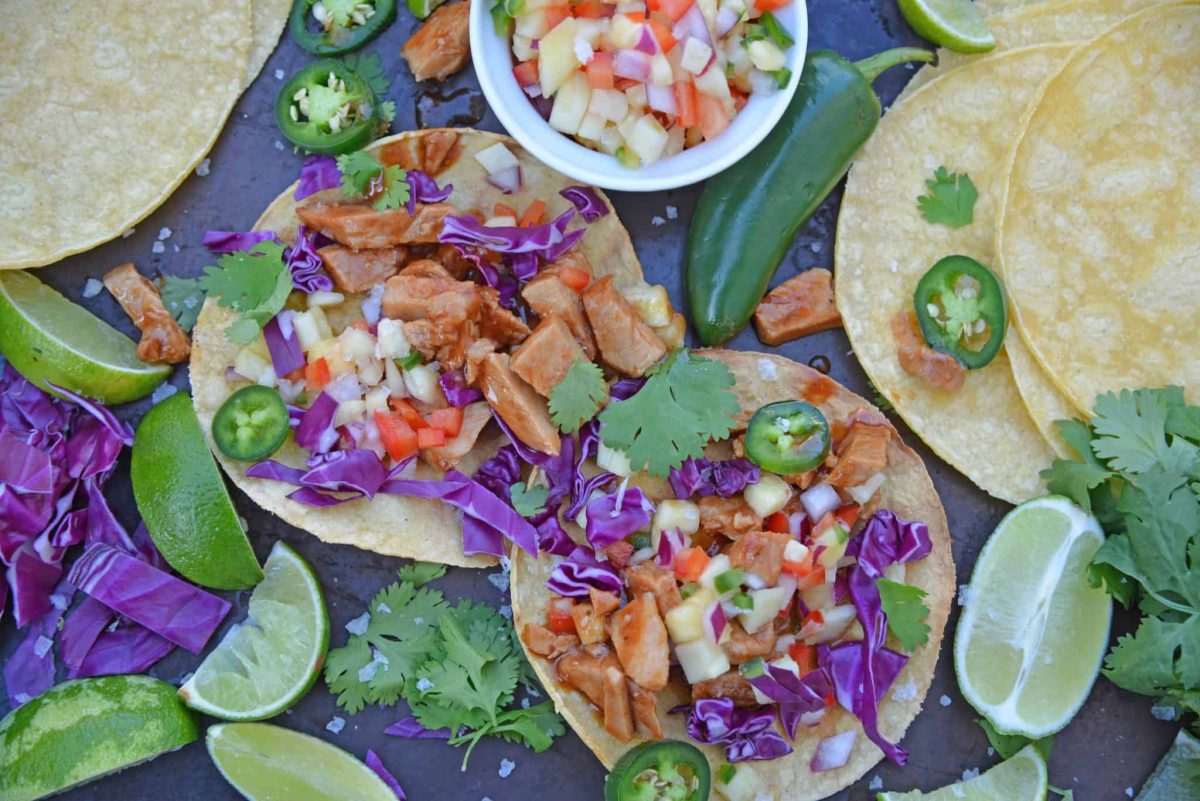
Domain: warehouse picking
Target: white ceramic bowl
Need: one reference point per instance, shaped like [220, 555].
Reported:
[493, 59]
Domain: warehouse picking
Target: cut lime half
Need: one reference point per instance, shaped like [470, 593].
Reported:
[954, 24]
[269, 661]
[49, 338]
[1034, 630]
[1022, 778]
[270, 763]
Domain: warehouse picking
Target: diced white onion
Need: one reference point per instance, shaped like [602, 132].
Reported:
[819, 500]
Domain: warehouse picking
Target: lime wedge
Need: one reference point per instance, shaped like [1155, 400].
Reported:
[1022, 778]
[82, 730]
[954, 24]
[183, 500]
[267, 662]
[49, 338]
[270, 763]
[1033, 631]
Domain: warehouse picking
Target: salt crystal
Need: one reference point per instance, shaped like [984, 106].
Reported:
[162, 392]
[279, 75]
[499, 581]
[672, 213]
[164, 233]
[203, 167]
[158, 247]
[92, 288]
[336, 725]
[533, 691]
[970, 773]
[1129, 792]
[991, 751]
[191, 302]
[359, 624]
[424, 685]
[128, 233]
[23, 698]
[656, 221]
[278, 145]
[964, 594]
[383, 608]
[60, 601]
[41, 646]
[815, 247]
[766, 370]
[175, 248]
[876, 784]
[506, 612]
[524, 703]
[945, 700]
[367, 671]
[505, 564]
[1162, 712]
[507, 766]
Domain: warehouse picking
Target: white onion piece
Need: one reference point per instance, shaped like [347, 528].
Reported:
[863, 493]
[819, 500]
[372, 305]
[661, 98]
[345, 387]
[761, 83]
[725, 20]
[692, 24]
[631, 64]
[755, 581]
[813, 718]
[507, 181]
[533, 90]
[641, 555]
[833, 752]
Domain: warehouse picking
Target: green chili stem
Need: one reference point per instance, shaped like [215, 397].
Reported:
[873, 67]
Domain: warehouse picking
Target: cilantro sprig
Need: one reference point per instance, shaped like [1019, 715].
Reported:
[905, 612]
[363, 175]
[254, 283]
[456, 666]
[685, 402]
[183, 297]
[577, 398]
[951, 199]
[528, 501]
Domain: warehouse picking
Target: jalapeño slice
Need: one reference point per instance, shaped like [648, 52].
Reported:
[666, 770]
[334, 27]
[962, 310]
[327, 108]
[788, 437]
[251, 424]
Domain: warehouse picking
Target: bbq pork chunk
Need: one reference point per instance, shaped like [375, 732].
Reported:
[362, 227]
[640, 638]
[938, 370]
[627, 345]
[162, 338]
[518, 405]
[442, 45]
[861, 454]
[411, 296]
[545, 357]
[728, 685]
[356, 271]
[761, 553]
[547, 296]
[618, 715]
[647, 577]
[798, 307]
[583, 670]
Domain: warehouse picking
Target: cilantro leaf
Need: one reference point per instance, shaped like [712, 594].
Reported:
[1161, 654]
[396, 190]
[577, 398]
[1075, 480]
[358, 170]
[1131, 433]
[1065, 795]
[421, 573]
[369, 67]
[905, 612]
[1006, 745]
[528, 501]
[255, 283]
[184, 298]
[686, 402]
[951, 199]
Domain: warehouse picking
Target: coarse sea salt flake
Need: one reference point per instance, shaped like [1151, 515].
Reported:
[945, 700]
[383, 608]
[970, 773]
[424, 685]
[499, 581]
[92, 288]
[128, 233]
[506, 612]
[162, 392]
[336, 724]
[203, 167]
[158, 247]
[1162, 712]
[164, 233]
[507, 766]
[876, 784]
[672, 213]
[359, 624]
[656, 221]
[41, 646]
[279, 75]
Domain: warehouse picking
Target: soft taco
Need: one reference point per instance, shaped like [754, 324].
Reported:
[743, 604]
[410, 326]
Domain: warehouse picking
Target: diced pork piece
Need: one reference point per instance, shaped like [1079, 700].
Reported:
[359, 270]
[742, 647]
[477, 351]
[454, 261]
[730, 517]
[728, 685]
[518, 405]
[760, 552]
[547, 296]
[603, 602]
[476, 416]
[798, 307]
[441, 46]
[627, 345]
[545, 357]
[618, 717]
[544, 642]
[640, 638]
[648, 577]
[938, 370]
[645, 710]
[498, 323]
[441, 150]
[572, 258]
[617, 554]
[162, 338]
[416, 297]
[427, 268]
[362, 227]
[583, 670]
[861, 454]
[589, 624]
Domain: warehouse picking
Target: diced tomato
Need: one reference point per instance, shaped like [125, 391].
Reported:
[685, 99]
[600, 70]
[690, 563]
[804, 655]
[574, 278]
[824, 524]
[815, 578]
[397, 436]
[654, 5]
[778, 522]
[406, 411]
[662, 33]
[786, 611]
[636, 16]
[771, 5]
[447, 420]
[556, 14]
[711, 115]
[816, 617]
[296, 375]
[559, 619]
[848, 514]
[431, 438]
[501, 210]
[592, 9]
[798, 569]
[316, 374]
[533, 215]
[740, 98]
[526, 73]
[675, 8]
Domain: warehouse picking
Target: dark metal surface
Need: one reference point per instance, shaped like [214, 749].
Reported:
[1112, 745]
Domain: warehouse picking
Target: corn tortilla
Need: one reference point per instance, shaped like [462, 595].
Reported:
[908, 491]
[1099, 238]
[966, 120]
[1043, 400]
[412, 528]
[267, 20]
[105, 108]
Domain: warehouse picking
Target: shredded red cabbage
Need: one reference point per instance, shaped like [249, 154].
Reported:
[553, 538]
[580, 572]
[127, 649]
[500, 472]
[795, 696]
[454, 387]
[282, 343]
[376, 764]
[316, 432]
[306, 265]
[359, 471]
[29, 670]
[81, 628]
[423, 189]
[887, 539]
[608, 522]
[317, 174]
[412, 729]
[587, 201]
[746, 734]
[231, 241]
[705, 478]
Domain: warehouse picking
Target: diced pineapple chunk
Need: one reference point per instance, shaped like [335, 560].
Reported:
[570, 104]
[306, 330]
[591, 31]
[557, 61]
[660, 70]
[608, 104]
[713, 83]
[592, 127]
[497, 158]
[716, 566]
[533, 25]
[672, 333]
[322, 322]
[795, 551]
[647, 139]
[614, 461]
[610, 140]
[766, 55]
[377, 400]
[636, 95]
[422, 383]
[393, 344]
[673, 514]
[835, 539]
[523, 48]
[651, 302]
[767, 604]
[349, 412]
[323, 299]
[696, 55]
[769, 495]
[252, 367]
[739, 783]
[686, 621]
[624, 33]
[394, 379]
[702, 660]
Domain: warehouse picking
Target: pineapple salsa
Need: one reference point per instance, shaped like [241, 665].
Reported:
[643, 80]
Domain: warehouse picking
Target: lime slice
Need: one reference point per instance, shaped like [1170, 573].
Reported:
[266, 663]
[270, 763]
[954, 24]
[1033, 631]
[183, 500]
[82, 730]
[1022, 778]
[49, 338]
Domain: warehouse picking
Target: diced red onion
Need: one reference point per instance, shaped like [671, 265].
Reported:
[725, 20]
[714, 622]
[692, 24]
[508, 180]
[533, 90]
[661, 98]
[232, 376]
[811, 719]
[646, 43]
[670, 542]
[799, 526]
[819, 500]
[631, 64]
[283, 344]
[833, 752]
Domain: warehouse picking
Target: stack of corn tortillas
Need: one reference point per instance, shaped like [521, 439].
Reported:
[105, 108]
[1081, 133]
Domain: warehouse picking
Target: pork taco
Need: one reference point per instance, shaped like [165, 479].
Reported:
[752, 602]
[436, 282]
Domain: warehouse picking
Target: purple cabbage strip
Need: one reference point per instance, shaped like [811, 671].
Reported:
[587, 201]
[128, 649]
[608, 523]
[305, 263]
[795, 696]
[31, 581]
[500, 472]
[316, 432]
[706, 478]
[412, 729]
[29, 670]
[82, 627]
[317, 174]
[282, 343]
[553, 538]
[886, 540]
[581, 571]
[548, 238]
[746, 734]
[232, 241]
[626, 388]
[423, 189]
[376, 764]
[121, 431]
[358, 471]
[186, 615]
[481, 538]
[454, 387]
